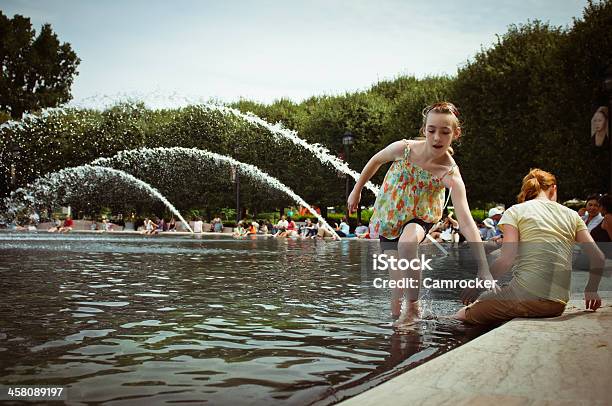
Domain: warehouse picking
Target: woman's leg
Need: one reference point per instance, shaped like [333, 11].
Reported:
[505, 304]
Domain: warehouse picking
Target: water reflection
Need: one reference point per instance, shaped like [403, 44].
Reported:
[184, 319]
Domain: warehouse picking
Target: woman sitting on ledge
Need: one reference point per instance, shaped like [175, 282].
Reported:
[540, 286]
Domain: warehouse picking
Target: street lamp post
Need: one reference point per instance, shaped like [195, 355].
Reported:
[347, 141]
[14, 154]
[236, 180]
[608, 87]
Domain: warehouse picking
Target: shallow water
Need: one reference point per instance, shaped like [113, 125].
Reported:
[140, 320]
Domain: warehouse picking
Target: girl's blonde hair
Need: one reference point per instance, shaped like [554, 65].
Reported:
[442, 107]
[536, 181]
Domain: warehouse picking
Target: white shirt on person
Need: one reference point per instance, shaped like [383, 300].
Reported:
[197, 226]
[594, 222]
[345, 228]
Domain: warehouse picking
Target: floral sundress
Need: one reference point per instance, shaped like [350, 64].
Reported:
[408, 192]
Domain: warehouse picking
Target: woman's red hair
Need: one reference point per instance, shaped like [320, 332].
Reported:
[535, 181]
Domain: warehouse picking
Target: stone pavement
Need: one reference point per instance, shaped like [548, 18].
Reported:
[563, 360]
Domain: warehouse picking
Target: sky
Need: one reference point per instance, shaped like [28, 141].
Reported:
[270, 49]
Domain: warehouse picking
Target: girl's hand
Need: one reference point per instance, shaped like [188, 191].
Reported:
[353, 200]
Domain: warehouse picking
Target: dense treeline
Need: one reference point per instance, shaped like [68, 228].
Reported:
[525, 102]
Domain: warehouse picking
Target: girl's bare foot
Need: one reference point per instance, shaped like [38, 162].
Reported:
[396, 308]
[413, 310]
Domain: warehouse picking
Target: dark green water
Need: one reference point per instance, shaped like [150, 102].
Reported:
[148, 320]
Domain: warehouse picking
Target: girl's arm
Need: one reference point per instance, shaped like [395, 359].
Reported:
[388, 154]
[467, 226]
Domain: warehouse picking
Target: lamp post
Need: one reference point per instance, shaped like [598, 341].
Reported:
[14, 155]
[235, 176]
[347, 141]
[608, 87]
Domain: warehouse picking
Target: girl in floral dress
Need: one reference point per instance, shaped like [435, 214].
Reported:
[411, 198]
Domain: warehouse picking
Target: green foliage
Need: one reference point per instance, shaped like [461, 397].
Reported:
[501, 93]
[228, 214]
[525, 102]
[479, 214]
[272, 217]
[37, 71]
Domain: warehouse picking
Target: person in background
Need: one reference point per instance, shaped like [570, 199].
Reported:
[361, 231]
[67, 226]
[264, 228]
[603, 231]
[217, 225]
[57, 225]
[281, 226]
[344, 230]
[489, 229]
[240, 230]
[593, 216]
[495, 214]
[172, 224]
[323, 232]
[34, 218]
[148, 226]
[308, 230]
[599, 127]
[252, 228]
[292, 229]
[197, 225]
[107, 225]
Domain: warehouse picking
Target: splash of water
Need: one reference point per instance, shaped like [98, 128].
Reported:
[276, 130]
[319, 151]
[49, 183]
[250, 170]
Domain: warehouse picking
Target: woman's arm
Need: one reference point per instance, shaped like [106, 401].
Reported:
[388, 154]
[591, 298]
[509, 251]
[454, 222]
[467, 226]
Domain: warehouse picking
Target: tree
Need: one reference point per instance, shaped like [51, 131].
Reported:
[37, 71]
[504, 94]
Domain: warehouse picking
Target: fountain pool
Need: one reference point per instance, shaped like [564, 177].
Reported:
[143, 320]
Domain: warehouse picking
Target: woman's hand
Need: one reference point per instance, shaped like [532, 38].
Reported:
[353, 200]
[592, 301]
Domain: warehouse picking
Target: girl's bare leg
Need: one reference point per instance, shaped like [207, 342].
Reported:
[396, 293]
[408, 249]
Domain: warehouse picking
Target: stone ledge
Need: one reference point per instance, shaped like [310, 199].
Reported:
[562, 360]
